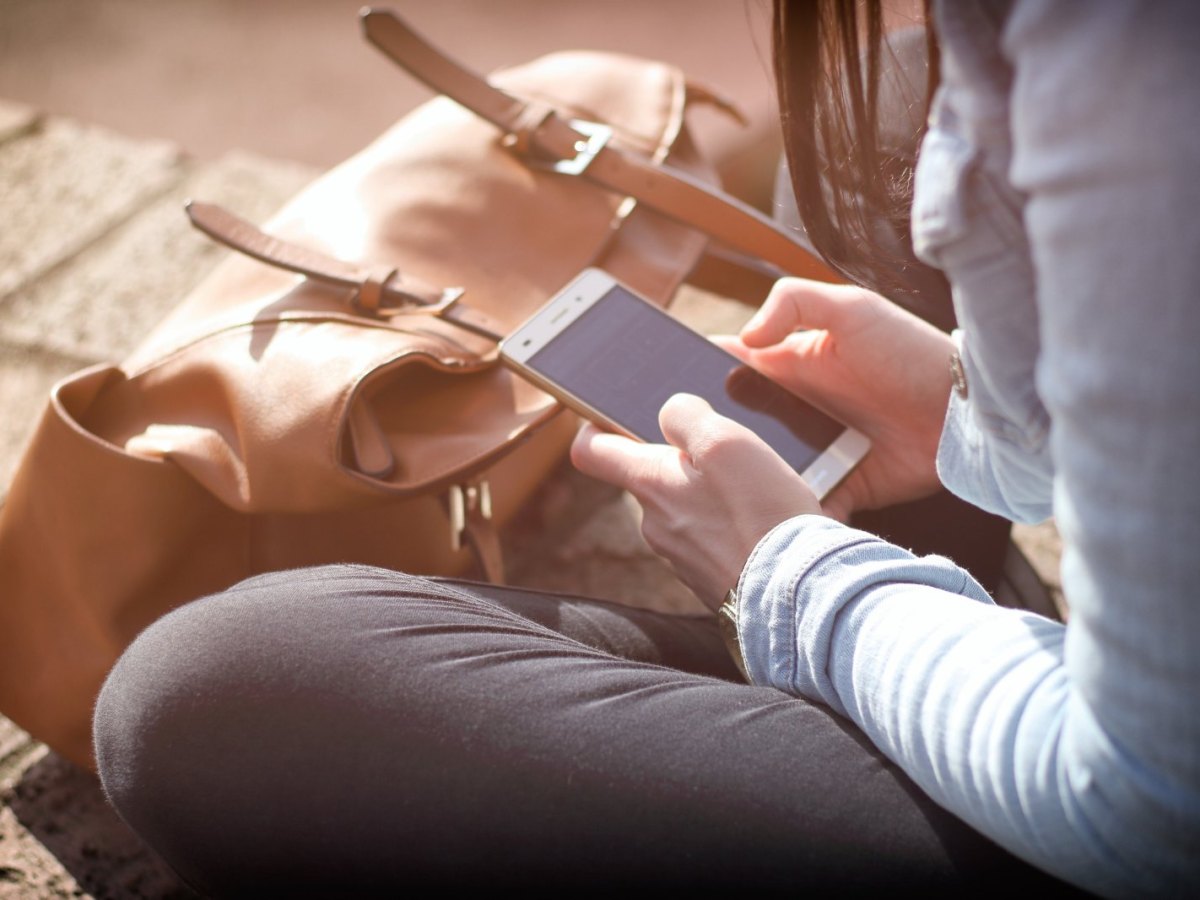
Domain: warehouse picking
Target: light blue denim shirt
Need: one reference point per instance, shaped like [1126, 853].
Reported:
[1059, 188]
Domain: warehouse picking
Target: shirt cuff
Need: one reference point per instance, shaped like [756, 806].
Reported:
[799, 581]
[982, 467]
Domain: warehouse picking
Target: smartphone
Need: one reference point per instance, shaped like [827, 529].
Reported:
[616, 358]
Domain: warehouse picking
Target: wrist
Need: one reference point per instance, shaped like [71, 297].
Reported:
[940, 378]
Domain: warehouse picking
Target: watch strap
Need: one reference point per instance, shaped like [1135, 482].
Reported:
[727, 621]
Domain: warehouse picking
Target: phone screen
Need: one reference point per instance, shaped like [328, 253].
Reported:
[625, 358]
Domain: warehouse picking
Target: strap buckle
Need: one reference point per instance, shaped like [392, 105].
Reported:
[466, 500]
[597, 137]
[449, 297]
[592, 137]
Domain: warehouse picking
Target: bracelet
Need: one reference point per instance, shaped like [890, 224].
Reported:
[727, 621]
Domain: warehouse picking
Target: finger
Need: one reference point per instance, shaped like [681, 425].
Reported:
[773, 361]
[780, 355]
[785, 362]
[690, 424]
[731, 344]
[616, 459]
[683, 418]
[793, 303]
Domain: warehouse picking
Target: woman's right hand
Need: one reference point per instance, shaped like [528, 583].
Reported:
[869, 363]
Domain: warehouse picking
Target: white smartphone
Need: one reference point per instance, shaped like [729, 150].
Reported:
[616, 359]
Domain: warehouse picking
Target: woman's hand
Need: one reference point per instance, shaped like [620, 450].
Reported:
[870, 364]
[708, 496]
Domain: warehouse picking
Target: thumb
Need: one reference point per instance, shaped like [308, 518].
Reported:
[705, 436]
[784, 362]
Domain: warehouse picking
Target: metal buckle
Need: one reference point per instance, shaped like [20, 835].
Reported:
[585, 150]
[450, 296]
[463, 500]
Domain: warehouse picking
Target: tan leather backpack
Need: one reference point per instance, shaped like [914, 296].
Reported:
[343, 402]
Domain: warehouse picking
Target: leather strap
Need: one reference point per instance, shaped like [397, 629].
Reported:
[551, 139]
[484, 539]
[469, 509]
[378, 292]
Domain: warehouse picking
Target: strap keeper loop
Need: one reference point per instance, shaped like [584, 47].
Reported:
[530, 120]
[370, 292]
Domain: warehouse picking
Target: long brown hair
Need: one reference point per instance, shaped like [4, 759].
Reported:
[828, 57]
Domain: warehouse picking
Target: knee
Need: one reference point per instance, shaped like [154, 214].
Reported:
[226, 719]
[216, 696]
[240, 661]
[191, 666]
[155, 698]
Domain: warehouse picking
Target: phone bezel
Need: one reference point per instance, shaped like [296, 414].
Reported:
[823, 474]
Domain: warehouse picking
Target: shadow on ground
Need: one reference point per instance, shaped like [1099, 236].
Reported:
[64, 808]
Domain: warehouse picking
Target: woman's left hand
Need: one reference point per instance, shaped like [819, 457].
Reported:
[708, 496]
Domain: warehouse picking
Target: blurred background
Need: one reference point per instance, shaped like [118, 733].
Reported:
[293, 79]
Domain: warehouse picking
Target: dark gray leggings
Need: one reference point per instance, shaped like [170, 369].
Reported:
[348, 729]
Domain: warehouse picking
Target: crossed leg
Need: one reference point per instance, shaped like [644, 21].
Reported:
[348, 729]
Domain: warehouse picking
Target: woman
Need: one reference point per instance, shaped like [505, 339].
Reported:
[348, 729]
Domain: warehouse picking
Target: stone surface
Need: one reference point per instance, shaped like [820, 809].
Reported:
[28, 869]
[708, 313]
[12, 741]
[26, 375]
[65, 185]
[578, 536]
[60, 838]
[113, 292]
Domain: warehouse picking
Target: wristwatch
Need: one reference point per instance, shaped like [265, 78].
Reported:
[727, 621]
